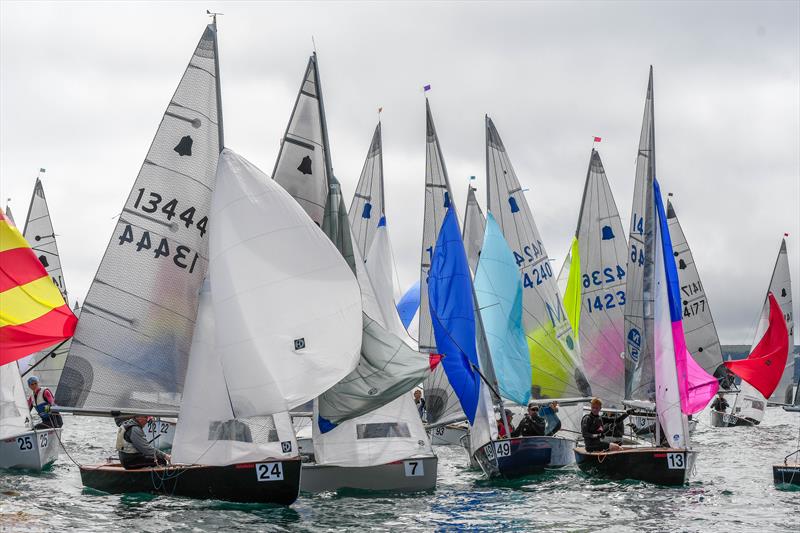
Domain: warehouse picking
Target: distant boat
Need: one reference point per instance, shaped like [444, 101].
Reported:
[788, 473]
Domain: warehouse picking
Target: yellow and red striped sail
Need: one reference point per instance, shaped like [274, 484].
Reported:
[33, 314]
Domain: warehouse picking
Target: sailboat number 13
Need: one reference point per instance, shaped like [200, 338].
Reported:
[676, 461]
[269, 471]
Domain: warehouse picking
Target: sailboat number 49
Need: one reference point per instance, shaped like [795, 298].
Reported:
[676, 461]
[269, 471]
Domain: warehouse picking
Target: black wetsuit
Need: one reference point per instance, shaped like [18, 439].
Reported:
[530, 426]
[720, 404]
[592, 430]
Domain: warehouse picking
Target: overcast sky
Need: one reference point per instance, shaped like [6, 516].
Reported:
[83, 87]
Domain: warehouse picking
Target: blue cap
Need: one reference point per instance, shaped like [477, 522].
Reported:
[33, 379]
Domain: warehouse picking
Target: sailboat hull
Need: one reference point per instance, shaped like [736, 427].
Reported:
[33, 450]
[449, 435]
[663, 466]
[246, 482]
[409, 475]
[785, 474]
[720, 419]
[514, 458]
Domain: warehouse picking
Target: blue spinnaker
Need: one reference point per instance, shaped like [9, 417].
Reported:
[453, 314]
[409, 304]
[499, 290]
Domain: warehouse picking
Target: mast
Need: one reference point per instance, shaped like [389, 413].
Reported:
[220, 128]
[323, 121]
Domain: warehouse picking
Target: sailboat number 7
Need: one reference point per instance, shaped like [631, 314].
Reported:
[269, 471]
[413, 468]
[676, 461]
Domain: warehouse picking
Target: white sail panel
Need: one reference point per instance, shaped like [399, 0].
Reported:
[209, 432]
[699, 329]
[131, 345]
[282, 291]
[15, 416]
[474, 227]
[303, 161]
[603, 260]
[781, 286]
[390, 433]
[639, 372]
[367, 206]
[557, 371]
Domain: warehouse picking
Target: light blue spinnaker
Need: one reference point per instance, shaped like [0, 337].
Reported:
[499, 290]
[453, 314]
[408, 305]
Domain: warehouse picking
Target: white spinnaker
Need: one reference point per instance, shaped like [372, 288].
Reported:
[14, 413]
[209, 431]
[367, 206]
[390, 433]
[668, 400]
[603, 254]
[298, 311]
[41, 236]
[131, 346]
[302, 158]
[483, 429]
[474, 227]
[699, 329]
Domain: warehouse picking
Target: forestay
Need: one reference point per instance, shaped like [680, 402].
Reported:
[474, 229]
[41, 236]
[209, 431]
[367, 206]
[701, 333]
[639, 372]
[132, 343]
[303, 166]
[557, 371]
[298, 313]
[598, 270]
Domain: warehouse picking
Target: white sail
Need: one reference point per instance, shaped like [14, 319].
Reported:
[41, 236]
[131, 345]
[557, 371]
[701, 333]
[209, 431]
[603, 260]
[298, 311]
[367, 207]
[14, 413]
[639, 372]
[9, 216]
[303, 158]
[474, 227]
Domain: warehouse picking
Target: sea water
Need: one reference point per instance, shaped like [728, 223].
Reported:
[730, 490]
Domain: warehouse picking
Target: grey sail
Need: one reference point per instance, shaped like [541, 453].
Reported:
[131, 347]
[698, 324]
[639, 369]
[441, 401]
[303, 166]
[9, 215]
[367, 206]
[474, 227]
[781, 286]
[555, 359]
[41, 236]
[603, 251]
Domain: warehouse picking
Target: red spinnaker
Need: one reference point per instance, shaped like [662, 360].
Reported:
[764, 366]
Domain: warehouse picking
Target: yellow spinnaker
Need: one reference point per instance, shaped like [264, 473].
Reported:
[572, 296]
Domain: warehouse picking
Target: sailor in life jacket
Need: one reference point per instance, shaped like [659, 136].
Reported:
[134, 450]
[42, 399]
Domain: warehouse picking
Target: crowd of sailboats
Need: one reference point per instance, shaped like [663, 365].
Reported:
[260, 313]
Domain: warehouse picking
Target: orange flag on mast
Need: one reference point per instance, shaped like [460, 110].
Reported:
[33, 314]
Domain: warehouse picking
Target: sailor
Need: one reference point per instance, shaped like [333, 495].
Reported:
[720, 403]
[592, 430]
[532, 425]
[42, 399]
[134, 449]
[501, 429]
[420, 403]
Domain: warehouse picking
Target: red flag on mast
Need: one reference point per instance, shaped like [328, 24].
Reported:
[598, 139]
[764, 366]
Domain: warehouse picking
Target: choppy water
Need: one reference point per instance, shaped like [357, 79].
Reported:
[731, 490]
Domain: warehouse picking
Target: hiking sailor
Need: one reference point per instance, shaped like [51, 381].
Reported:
[592, 430]
[42, 399]
[134, 449]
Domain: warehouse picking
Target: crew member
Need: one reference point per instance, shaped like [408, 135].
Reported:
[134, 449]
[720, 403]
[419, 401]
[592, 430]
[531, 425]
[501, 429]
[42, 399]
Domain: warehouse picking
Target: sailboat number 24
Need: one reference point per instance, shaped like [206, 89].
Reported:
[269, 471]
[676, 461]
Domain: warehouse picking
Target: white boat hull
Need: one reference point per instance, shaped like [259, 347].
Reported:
[417, 474]
[450, 435]
[32, 450]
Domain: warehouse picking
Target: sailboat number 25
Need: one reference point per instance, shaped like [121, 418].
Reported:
[269, 471]
[676, 461]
